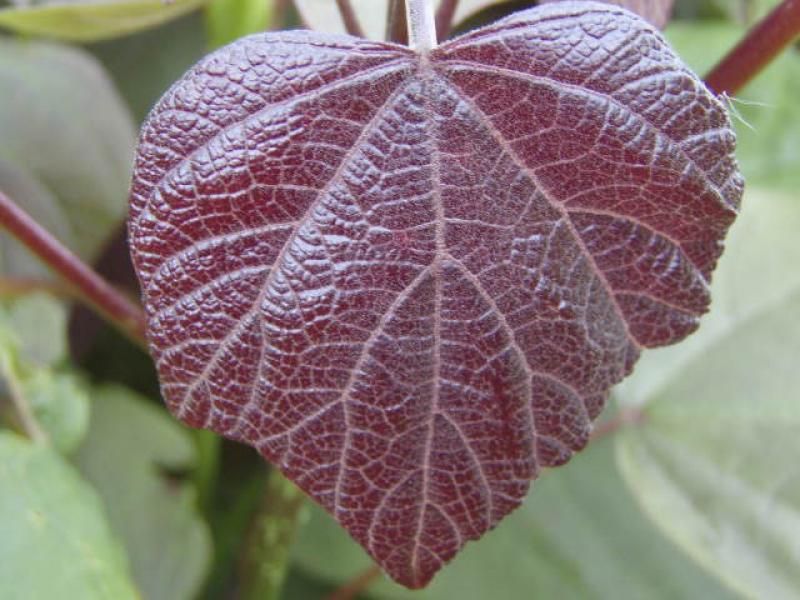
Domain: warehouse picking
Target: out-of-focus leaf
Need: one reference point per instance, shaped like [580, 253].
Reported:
[579, 536]
[60, 403]
[228, 20]
[66, 136]
[144, 65]
[57, 400]
[137, 459]
[715, 461]
[92, 21]
[43, 206]
[55, 540]
[39, 323]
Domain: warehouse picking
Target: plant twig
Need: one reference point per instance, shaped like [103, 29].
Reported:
[266, 557]
[22, 412]
[396, 28]
[444, 18]
[357, 584]
[761, 44]
[97, 291]
[349, 18]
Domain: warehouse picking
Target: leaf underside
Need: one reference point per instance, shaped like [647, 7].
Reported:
[410, 281]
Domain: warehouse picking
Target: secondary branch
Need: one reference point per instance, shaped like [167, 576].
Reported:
[761, 44]
[97, 291]
[396, 28]
[349, 18]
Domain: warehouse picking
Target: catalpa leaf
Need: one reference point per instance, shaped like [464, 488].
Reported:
[410, 280]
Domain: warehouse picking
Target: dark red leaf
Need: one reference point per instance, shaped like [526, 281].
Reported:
[658, 12]
[411, 281]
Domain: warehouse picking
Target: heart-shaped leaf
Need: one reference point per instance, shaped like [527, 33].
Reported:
[409, 280]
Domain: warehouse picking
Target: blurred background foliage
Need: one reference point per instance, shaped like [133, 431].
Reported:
[695, 495]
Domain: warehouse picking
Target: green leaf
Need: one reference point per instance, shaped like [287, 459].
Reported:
[32, 340]
[137, 458]
[93, 21]
[21, 185]
[143, 65]
[228, 20]
[578, 536]
[67, 138]
[55, 541]
[715, 461]
[39, 323]
[60, 404]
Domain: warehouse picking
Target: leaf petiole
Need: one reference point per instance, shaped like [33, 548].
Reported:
[421, 25]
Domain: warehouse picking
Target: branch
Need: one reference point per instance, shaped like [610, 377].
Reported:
[358, 584]
[396, 28]
[22, 410]
[444, 18]
[266, 557]
[97, 291]
[351, 24]
[761, 44]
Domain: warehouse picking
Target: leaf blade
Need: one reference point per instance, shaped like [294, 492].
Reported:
[426, 306]
[129, 449]
[52, 521]
[94, 21]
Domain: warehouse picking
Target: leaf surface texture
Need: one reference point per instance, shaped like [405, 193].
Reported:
[411, 281]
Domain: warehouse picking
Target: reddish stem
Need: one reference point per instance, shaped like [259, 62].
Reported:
[396, 26]
[108, 301]
[358, 584]
[444, 18]
[281, 10]
[351, 24]
[761, 44]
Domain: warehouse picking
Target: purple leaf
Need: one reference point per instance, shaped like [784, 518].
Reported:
[411, 281]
